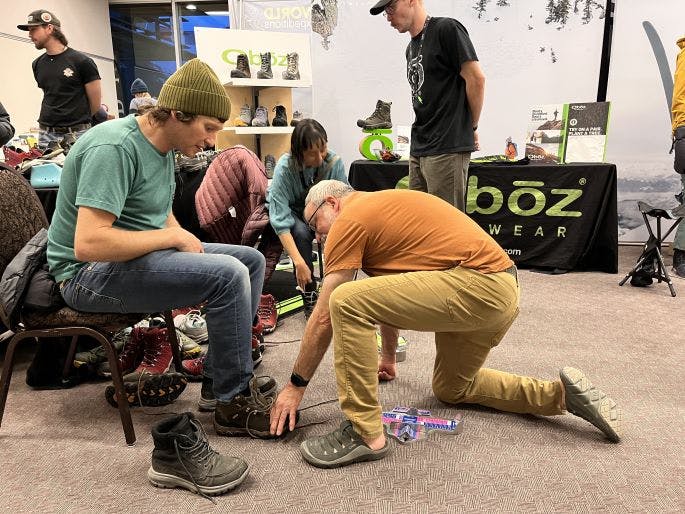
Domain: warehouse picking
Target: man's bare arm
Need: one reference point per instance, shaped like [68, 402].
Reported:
[97, 240]
[474, 77]
[315, 342]
[94, 94]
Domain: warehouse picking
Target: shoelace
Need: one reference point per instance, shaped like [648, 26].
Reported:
[258, 403]
[194, 319]
[266, 61]
[203, 452]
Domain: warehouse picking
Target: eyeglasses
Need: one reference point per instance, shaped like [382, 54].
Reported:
[309, 221]
[390, 8]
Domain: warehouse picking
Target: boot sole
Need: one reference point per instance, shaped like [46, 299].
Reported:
[377, 126]
[586, 401]
[155, 391]
[166, 481]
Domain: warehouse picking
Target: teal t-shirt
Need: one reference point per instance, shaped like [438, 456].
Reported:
[115, 168]
[289, 187]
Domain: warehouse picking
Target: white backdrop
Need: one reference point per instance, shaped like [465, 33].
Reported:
[526, 62]
[640, 126]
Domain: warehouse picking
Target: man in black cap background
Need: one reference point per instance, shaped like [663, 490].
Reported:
[69, 79]
[447, 86]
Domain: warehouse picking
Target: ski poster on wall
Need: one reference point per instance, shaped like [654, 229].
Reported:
[586, 135]
[545, 133]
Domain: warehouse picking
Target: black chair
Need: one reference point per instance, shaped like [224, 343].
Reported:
[21, 217]
[652, 248]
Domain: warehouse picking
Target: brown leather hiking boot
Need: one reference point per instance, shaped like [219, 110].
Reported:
[245, 415]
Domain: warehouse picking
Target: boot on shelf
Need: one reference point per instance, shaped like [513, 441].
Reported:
[265, 71]
[242, 68]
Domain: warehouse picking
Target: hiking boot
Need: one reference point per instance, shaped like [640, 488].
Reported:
[242, 68]
[679, 262]
[267, 312]
[265, 70]
[182, 457]
[281, 118]
[131, 355]
[157, 355]
[257, 344]
[193, 368]
[297, 117]
[245, 414]
[245, 117]
[309, 297]
[341, 447]
[193, 325]
[586, 401]
[380, 119]
[207, 403]
[269, 166]
[321, 25]
[150, 390]
[97, 355]
[261, 118]
[292, 72]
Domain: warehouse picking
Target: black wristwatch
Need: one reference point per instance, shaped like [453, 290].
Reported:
[475, 128]
[298, 381]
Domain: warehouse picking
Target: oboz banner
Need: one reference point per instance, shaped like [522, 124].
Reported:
[556, 217]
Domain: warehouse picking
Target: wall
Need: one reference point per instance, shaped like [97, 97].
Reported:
[85, 24]
[527, 61]
[640, 125]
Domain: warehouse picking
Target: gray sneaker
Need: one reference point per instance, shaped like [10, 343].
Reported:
[586, 401]
[341, 447]
[265, 384]
[182, 457]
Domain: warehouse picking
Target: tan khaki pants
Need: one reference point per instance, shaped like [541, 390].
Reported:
[469, 312]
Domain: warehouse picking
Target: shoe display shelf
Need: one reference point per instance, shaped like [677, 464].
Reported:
[260, 92]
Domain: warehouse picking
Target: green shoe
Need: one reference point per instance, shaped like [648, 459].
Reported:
[340, 448]
[400, 353]
[586, 401]
[97, 355]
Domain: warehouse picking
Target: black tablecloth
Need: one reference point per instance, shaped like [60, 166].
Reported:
[551, 217]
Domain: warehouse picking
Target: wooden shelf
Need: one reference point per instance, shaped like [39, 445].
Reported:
[275, 82]
[260, 130]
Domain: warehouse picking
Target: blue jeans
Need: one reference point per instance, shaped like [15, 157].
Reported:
[228, 277]
[303, 237]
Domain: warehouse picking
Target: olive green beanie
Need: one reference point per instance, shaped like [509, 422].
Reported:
[195, 89]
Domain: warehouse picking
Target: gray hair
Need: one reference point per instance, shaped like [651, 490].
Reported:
[321, 190]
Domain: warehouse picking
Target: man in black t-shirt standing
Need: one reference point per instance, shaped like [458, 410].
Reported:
[447, 86]
[69, 79]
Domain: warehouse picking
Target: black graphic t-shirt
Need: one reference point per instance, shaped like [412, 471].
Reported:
[443, 118]
[62, 78]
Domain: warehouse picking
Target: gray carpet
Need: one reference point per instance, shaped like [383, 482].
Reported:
[64, 451]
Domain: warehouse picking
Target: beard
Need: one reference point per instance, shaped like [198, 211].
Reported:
[39, 45]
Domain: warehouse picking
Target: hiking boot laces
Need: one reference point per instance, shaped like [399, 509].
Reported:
[258, 403]
[292, 63]
[200, 451]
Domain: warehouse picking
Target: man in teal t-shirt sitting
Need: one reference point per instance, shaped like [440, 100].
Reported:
[114, 245]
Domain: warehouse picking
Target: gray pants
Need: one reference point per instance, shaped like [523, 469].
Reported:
[442, 175]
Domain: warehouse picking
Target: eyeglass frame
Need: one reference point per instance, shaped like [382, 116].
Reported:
[390, 9]
[309, 221]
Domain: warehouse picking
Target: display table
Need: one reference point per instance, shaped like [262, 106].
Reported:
[551, 217]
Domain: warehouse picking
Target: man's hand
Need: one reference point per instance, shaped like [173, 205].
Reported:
[387, 368]
[187, 242]
[285, 408]
[302, 273]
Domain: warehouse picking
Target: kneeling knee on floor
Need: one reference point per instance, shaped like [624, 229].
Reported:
[450, 393]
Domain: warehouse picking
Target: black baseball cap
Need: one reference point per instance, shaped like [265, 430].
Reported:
[40, 17]
[379, 7]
